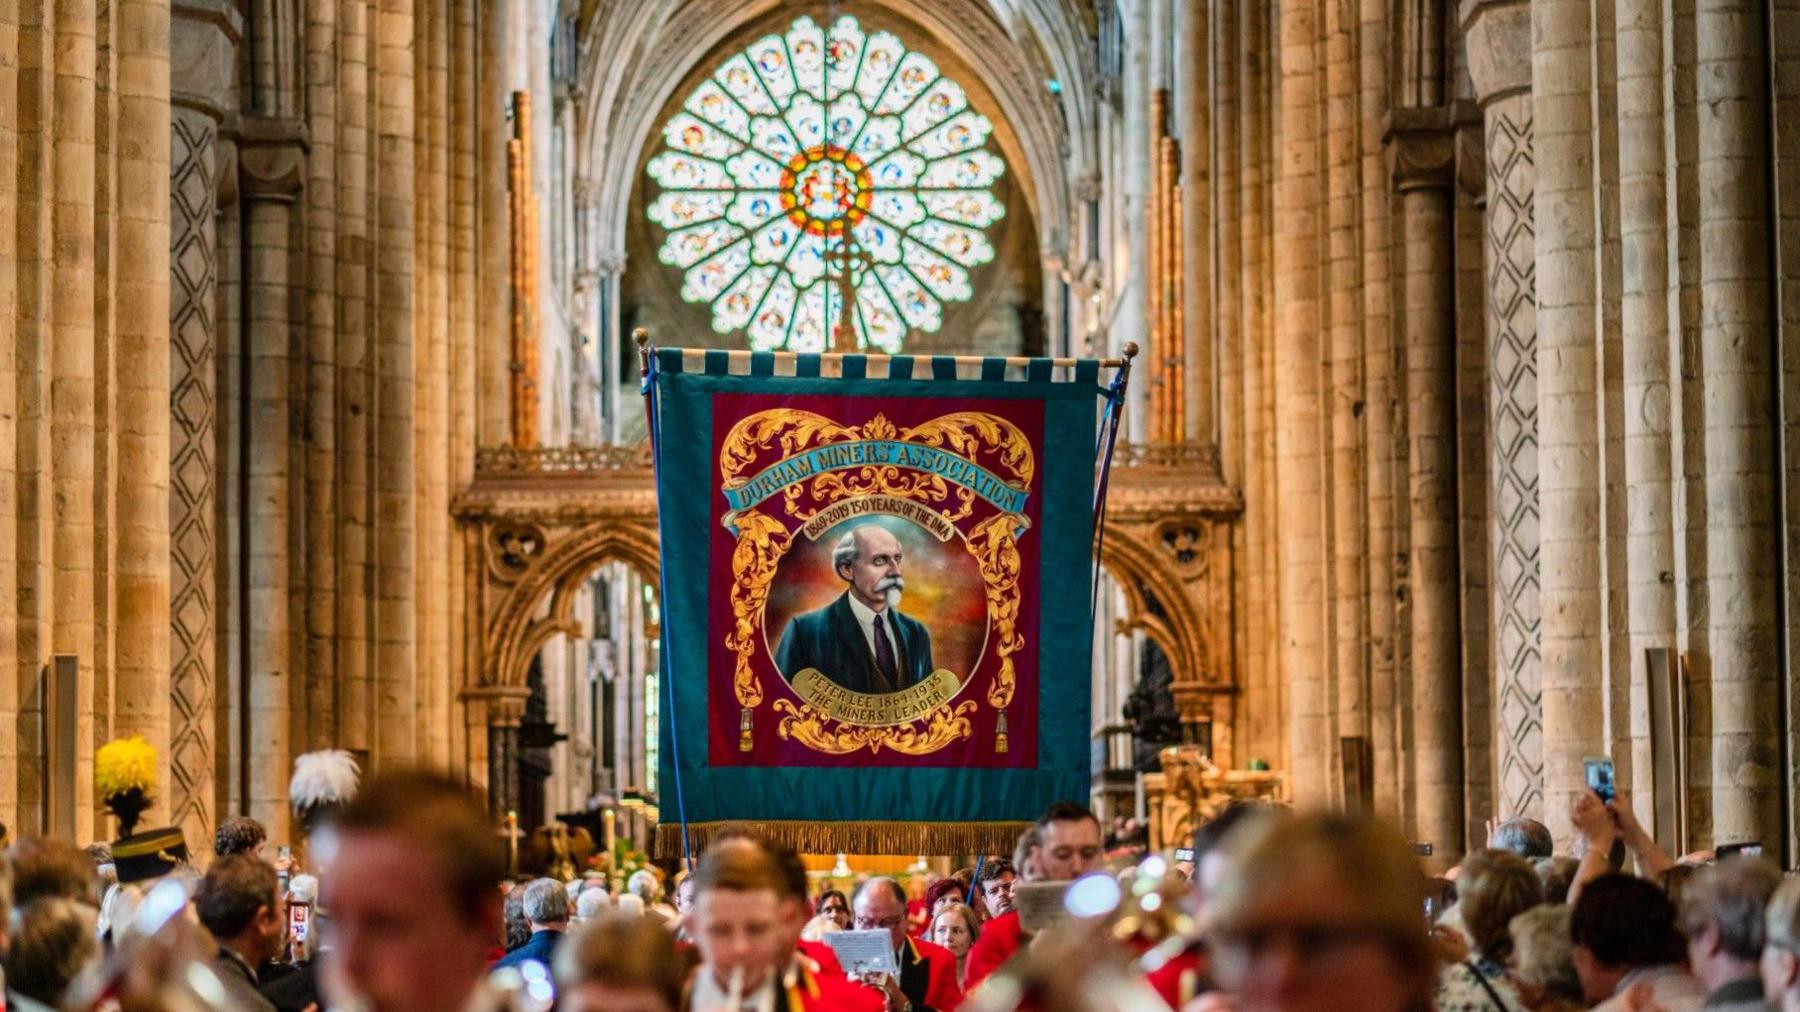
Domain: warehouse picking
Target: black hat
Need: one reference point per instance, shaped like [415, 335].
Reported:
[150, 854]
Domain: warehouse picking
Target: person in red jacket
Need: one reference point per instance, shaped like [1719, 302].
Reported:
[1065, 844]
[927, 981]
[745, 924]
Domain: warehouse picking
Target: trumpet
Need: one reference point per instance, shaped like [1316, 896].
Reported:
[1091, 954]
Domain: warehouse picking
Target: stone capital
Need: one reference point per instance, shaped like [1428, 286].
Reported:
[271, 157]
[1421, 148]
[204, 38]
[1497, 41]
[496, 705]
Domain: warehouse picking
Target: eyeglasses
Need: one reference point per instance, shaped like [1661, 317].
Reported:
[890, 923]
[1310, 944]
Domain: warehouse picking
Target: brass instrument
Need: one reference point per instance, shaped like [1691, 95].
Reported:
[1119, 926]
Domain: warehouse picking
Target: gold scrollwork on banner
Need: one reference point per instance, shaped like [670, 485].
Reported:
[821, 733]
[923, 719]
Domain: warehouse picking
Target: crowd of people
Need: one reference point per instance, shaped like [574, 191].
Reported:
[402, 901]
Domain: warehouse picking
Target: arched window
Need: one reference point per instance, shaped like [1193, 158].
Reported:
[801, 157]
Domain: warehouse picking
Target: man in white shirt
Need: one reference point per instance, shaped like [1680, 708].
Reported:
[861, 641]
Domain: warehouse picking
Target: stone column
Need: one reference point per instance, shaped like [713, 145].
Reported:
[1195, 103]
[323, 93]
[9, 414]
[1570, 493]
[1422, 146]
[272, 167]
[1380, 458]
[1650, 588]
[1737, 422]
[492, 97]
[395, 671]
[1498, 34]
[1343, 468]
[141, 381]
[1298, 462]
[354, 411]
[1265, 732]
[203, 51]
[431, 368]
[74, 561]
[193, 464]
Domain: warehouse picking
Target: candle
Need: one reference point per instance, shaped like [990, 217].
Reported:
[609, 819]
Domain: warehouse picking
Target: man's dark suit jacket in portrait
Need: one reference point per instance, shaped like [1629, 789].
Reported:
[831, 641]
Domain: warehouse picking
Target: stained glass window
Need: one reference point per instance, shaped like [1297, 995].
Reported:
[803, 156]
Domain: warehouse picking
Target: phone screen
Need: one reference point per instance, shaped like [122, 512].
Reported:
[299, 926]
[1726, 850]
[1600, 778]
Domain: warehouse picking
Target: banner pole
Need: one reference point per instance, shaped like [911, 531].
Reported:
[1109, 435]
[647, 375]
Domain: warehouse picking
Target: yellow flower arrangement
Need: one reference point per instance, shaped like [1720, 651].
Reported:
[125, 764]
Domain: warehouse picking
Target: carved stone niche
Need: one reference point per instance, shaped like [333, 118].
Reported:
[1191, 790]
[1168, 543]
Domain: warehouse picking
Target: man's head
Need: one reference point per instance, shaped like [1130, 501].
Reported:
[1068, 843]
[43, 867]
[997, 878]
[1721, 915]
[1322, 911]
[54, 940]
[414, 892]
[1209, 839]
[1780, 966]
[644, 885]
[620, 963]
[1621, 923]
[1527, 838]
[239, 901]
[546, 905]
[1542, 964]
[741, 921]
[868, 558]
[880, 904]
[239, 834]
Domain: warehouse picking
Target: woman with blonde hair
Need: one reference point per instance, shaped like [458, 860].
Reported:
[1493, 887]
[1322, 911]
[955, 927]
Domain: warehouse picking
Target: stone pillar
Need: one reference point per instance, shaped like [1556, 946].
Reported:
[465, 325]
[1298, 398]
[203, 51]
[354, 411]
[9, 414]
[1379, 455]
[1423, 149]
[193, 465]
[1266, 727]
[272, 167]
[319, 715]
[1498, 34]
[1737, 423]
[611, 266]
[1570, 493]
[431, 388]
[1650, 586]
[395, 669]
[74, 561]
[1343, 468]
[1195, 103]
[495, 236]
[141, 377]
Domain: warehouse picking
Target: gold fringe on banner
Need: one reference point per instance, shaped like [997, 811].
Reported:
[952, 838]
